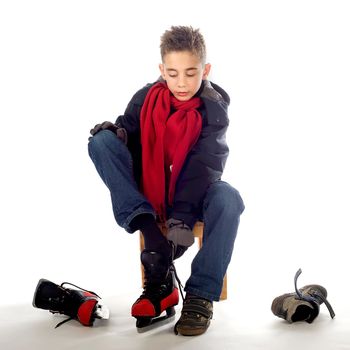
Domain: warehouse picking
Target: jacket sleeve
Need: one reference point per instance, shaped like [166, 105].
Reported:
[204, 165]
[130, 121]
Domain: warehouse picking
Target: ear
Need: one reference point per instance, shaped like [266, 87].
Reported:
[206, 71]
[162, 70]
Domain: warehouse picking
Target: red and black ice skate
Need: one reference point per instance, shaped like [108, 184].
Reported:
[160, 292]
[80, 304]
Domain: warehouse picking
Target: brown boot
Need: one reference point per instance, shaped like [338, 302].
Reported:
[303, 305]
[195, 316]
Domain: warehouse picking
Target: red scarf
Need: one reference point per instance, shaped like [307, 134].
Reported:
[166, 140]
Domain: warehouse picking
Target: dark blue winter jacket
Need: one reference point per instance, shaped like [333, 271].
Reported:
[204, 163]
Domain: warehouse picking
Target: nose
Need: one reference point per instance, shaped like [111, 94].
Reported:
[181, 83]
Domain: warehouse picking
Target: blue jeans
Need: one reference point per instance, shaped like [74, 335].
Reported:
[222, 207]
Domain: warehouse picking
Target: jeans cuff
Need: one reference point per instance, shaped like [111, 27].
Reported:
[137, 212]
[202, 294]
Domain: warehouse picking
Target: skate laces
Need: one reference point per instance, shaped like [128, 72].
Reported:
[152, 288]
[62, 322]
[172, 267]
[84, 290]
[313, 297]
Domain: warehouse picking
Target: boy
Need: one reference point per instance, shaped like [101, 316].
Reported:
[162, 162]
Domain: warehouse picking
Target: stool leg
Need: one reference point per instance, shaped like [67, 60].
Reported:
[142, 247]
[223, 295]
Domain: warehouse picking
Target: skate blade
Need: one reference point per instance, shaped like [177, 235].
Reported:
[145, 324]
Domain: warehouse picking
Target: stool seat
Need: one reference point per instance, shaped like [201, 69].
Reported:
[198, 233]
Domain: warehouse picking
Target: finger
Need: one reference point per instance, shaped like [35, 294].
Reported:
[106, 125]
[95, 129]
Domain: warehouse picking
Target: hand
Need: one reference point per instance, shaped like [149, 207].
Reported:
[120, 132]
[180, 234]
[104, 126]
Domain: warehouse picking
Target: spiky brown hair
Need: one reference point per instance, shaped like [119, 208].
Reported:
[183, 38]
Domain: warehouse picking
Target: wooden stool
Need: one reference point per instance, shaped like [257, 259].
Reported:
[198, 233]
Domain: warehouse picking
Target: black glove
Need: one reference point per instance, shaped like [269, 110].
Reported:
[120, 132]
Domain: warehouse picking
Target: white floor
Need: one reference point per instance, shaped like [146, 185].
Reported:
[238, 324]
[243, 322]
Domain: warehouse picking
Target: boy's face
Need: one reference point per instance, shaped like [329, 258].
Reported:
[183, 71]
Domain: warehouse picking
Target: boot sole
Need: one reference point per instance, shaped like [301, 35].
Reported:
[191, 331]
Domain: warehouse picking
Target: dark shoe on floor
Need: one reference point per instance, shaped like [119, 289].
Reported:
[195, 316]
[303, 305]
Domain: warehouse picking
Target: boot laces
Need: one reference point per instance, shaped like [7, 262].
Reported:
[313, 297]
[172, 268]
[152, 289]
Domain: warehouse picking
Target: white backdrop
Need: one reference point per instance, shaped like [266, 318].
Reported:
[67, 65]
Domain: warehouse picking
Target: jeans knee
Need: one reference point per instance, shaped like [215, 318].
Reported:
[101, 141]
[226, 197]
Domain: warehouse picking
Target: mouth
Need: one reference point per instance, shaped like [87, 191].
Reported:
[182, 94]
